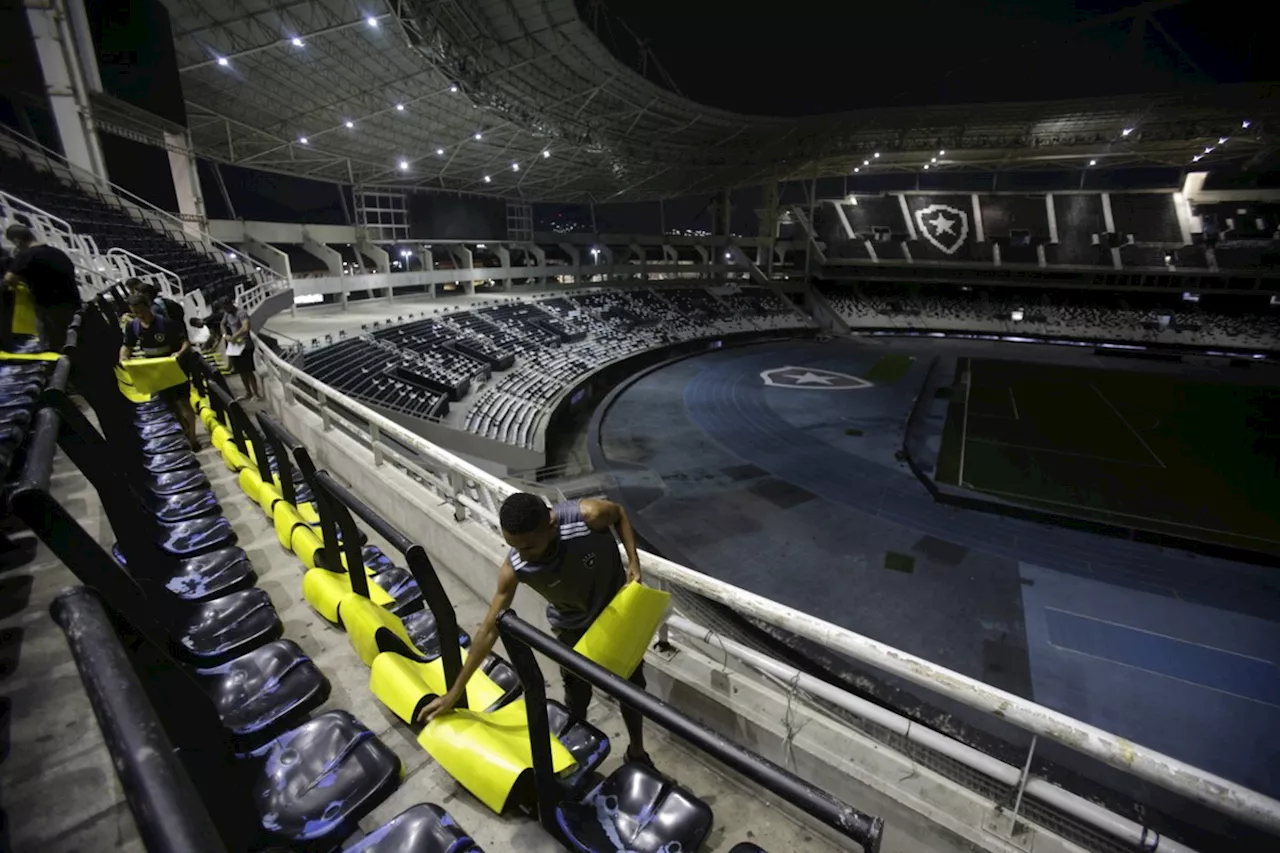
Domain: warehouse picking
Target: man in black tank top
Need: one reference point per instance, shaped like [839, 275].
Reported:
[567, 554]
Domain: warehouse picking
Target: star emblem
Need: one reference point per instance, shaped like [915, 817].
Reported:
[811, 378]
[943, 226]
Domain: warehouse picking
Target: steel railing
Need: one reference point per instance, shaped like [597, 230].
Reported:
[477, 495]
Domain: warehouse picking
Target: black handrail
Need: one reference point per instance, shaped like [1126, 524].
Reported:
[419, 565]
[168, 811]
[522, 639]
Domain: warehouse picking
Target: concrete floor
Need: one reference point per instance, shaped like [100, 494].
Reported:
[61, 795]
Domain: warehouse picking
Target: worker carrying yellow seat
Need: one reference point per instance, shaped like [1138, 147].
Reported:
[568, 555]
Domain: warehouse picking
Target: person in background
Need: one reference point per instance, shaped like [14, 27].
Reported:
[158, 336]
[235, 331]
[160, 304]
[201, 338]
[51, 276]
[568, 555]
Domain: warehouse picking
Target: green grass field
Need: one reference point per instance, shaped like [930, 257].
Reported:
[889, 368]
[1143, 450]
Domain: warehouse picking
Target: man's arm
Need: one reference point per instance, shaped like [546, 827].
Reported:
[482, 642]
[601, 515]
[130, 341]
[243, 331]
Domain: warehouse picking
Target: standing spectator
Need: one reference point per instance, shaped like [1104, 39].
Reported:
[235, 331]
[158, 336]
[51, 276]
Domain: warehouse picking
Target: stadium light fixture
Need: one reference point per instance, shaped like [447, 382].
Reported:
[1197, 158]
[439, 152]
[231, 256]
[1245, 124]
[372, 22]
[400, 108]
[222, 60]
[1126, 131]
[515, 167]
[297, 42]
[350, 124]
[1093, 162]
[942, 153]
[479, 136]
[926, 165]
[857, 168]
[1208, 149]
[487, 179]
[545, 153]
[404, 165]
[853, 199]
[877, 154]
[866, 162]
[454, 88]
[933, 159]
[727, 256]
[302, 140]
[1222, 140]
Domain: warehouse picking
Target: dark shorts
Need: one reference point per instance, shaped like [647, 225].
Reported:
[242, 363]
[180, 393]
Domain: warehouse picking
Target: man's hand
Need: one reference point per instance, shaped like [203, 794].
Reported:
[439, 705]
[633, 572]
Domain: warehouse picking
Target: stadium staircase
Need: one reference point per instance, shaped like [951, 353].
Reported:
[231, 726]
[111, 234]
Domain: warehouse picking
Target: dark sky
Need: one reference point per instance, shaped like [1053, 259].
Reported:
[811, 56]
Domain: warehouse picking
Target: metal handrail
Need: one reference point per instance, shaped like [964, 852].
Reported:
[165, 275]
[477, 494]
[262, 276]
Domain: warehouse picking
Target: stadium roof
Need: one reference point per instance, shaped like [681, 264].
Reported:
[519, 98]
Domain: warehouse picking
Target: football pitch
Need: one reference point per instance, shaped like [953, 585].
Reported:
[1143, 450]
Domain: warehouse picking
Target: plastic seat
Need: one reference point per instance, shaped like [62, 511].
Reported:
[639, 810]
[588, 745]
[197, 536]
[316, 781]
[215, 631]
[421, 627]
[747, 847]
[154, 430]
[182, 506]
[173, 482]
[424, 828]
[264, 691]
[204, 576]
[170, 461]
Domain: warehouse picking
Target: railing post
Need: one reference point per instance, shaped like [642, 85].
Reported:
[375, 444]
[326, 418]
[457, 486]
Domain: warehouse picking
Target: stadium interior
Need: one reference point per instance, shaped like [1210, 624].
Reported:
[948, 430]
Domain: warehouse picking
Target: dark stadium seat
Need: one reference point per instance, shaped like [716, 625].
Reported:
[424, 828]
[747, 847]
[640, 808]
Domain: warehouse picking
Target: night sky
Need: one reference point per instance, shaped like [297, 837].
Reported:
[811, 56]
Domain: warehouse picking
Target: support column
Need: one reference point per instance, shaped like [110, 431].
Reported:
[575, 258]
[186, 183]
[979, 232]
[504, 255]
[540, 260]
[65, 80]
[1182, 210]
[1052, 213]
[268, 255]
[332, 259]
[377, 254]
[721, 215]
[463, 257]
[706, 259]
[844, 219]
[637, 254]
[1109, 223]
[428, 265]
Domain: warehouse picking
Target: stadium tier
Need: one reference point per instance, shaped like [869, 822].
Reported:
[112, 227]
[507, 363]
[1242, 323]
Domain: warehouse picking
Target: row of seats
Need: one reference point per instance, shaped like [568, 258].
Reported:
[232, 695]
[111, 226]
[368, 372]
[400, 622]
[548, 346]
[1073, 314]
